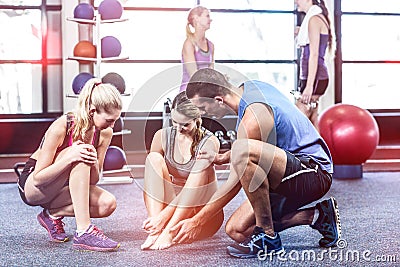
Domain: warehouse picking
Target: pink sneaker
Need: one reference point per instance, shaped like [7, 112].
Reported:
[55, 228]
[95, 240]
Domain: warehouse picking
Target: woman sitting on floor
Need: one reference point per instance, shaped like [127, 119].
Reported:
[177, 184]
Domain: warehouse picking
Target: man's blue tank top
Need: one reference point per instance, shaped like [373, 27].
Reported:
[294, 131]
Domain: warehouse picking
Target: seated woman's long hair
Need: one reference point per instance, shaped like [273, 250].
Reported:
[184, 106]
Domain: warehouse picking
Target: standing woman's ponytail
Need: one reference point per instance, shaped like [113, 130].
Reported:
[325, 13]
[194, 12]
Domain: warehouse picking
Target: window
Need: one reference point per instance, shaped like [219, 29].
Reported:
[248, 4]
[249, 36]
[366, 6]
[364, 37]
[370, 54]
[153, 36]
[156, 3]
[254, 36]
[371, 85]
[26, 69]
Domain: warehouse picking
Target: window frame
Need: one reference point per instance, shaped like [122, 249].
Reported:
[44, 62]
[339, 61]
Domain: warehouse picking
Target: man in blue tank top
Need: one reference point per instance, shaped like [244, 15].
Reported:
[279, 160]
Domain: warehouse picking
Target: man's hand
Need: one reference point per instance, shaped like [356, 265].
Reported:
[186, 231]
[215, 158]
[211, 156]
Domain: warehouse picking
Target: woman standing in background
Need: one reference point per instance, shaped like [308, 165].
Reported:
[197, 51]
[314, 37]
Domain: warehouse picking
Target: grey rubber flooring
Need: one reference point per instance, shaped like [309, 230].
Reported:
[369, 209]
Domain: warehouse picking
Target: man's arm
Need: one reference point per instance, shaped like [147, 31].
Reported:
[189, 229]
[223, 158]
[256, 123]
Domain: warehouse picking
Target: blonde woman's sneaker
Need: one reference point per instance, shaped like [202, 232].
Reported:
[55, 227]
[94, 240]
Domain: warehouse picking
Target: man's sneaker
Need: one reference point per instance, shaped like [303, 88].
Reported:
[94, 240]
[55, 228]
[257, 245]
[328, 222]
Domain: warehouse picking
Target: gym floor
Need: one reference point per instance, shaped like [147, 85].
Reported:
[369, 213]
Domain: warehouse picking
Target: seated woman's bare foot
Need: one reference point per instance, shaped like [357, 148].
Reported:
[151, 239]
[164, 241]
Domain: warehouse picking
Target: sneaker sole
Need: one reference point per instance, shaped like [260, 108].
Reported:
[41, 222]
[251, 256]
[81, 247]
[335, 210]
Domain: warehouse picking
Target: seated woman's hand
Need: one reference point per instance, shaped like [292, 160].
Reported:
[153, 225]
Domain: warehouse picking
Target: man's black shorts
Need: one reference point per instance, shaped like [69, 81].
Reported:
[304, 182]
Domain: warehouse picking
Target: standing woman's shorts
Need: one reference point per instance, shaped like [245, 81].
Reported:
[320, 86]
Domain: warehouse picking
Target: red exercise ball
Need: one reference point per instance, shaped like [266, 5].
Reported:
[350, 132]
[85, 49]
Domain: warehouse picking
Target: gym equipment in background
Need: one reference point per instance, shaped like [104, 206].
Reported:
[352, 136]
[84, 11]
[85, 49]
[115, 163]
[80, 80]
[115, 158]
[116, 80]
[110, 47]
[110, 9]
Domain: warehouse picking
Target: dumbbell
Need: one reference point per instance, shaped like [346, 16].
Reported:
[223, 142]
[166, 114]
[297, 96]
[232, 135]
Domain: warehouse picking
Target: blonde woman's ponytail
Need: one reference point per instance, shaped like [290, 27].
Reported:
[103, 97]
[82, 112]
